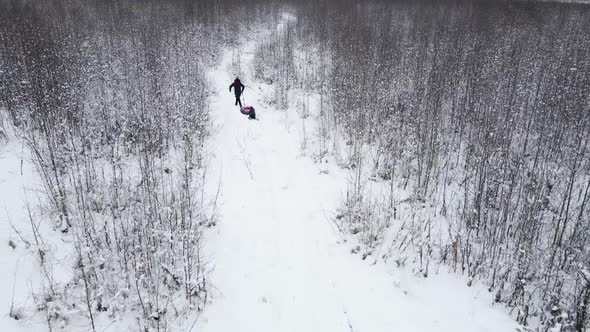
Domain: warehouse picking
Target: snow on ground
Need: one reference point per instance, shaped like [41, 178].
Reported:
[279, 264]
[13, 269]
[20, 272]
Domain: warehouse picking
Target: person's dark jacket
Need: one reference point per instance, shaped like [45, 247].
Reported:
[238, 87]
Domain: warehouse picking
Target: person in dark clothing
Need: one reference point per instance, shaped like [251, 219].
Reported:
[238, 89]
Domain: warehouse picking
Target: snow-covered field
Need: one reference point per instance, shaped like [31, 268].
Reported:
[278, 263]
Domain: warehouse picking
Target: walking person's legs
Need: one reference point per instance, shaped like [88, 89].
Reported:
[238, 101]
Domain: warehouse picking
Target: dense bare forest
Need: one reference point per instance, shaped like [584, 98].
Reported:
[474, 117]
[464, 124]
[480, 111]
[111, 97]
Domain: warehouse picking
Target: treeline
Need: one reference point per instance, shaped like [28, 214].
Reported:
[111, 98]
[472, 119]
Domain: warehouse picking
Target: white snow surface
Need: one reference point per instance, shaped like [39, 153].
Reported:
[20, 271]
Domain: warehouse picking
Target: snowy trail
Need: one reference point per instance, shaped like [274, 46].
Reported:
[278, 266]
